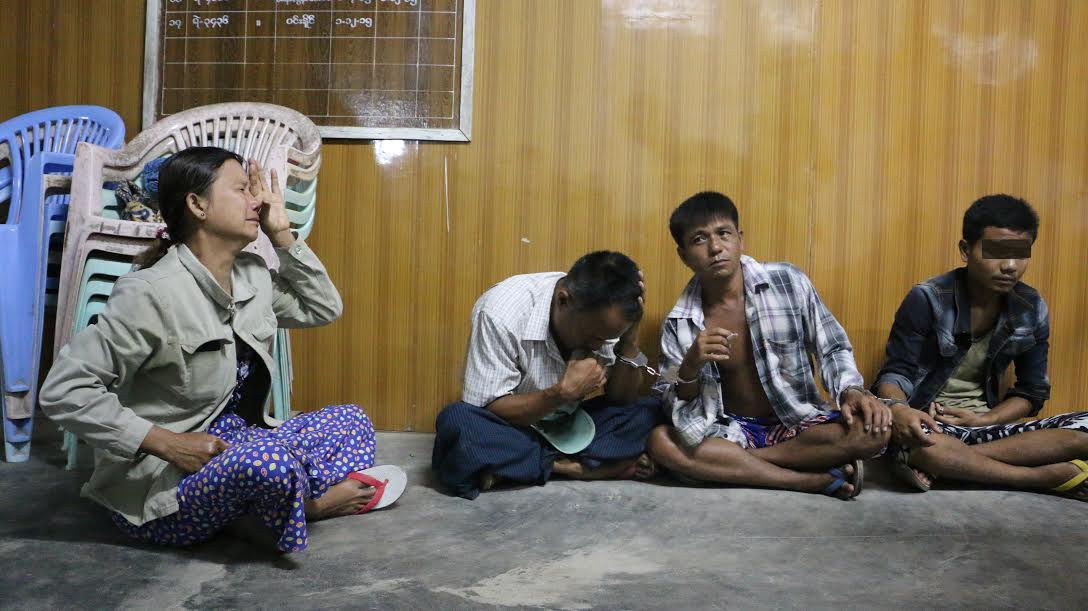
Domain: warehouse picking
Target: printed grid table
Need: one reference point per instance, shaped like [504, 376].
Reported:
[357, 68]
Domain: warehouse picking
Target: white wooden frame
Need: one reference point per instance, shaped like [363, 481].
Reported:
[463, 133]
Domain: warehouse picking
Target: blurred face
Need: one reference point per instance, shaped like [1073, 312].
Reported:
[587, 329]
[713, 250]
[230, 211]
[998, 260]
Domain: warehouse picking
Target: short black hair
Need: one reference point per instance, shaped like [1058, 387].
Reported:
[1000, 210]
[605, 278]
[700, 209]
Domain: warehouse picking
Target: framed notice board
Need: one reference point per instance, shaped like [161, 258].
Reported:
[371, 69]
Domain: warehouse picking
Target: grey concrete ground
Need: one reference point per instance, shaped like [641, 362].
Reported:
[567, 545]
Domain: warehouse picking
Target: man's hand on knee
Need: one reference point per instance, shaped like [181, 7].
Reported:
[955, 415]
[912, 427]
[858, 404]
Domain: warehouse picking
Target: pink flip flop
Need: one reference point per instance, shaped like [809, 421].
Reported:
[388, 482]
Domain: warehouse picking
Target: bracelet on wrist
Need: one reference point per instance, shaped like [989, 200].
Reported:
[680, 380]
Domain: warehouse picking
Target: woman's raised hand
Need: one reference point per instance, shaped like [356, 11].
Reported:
[274, 221]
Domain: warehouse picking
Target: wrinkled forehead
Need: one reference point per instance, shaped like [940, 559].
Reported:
[711, 225]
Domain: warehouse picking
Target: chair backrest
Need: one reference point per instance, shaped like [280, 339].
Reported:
[53, 130]
[275, 136]
[278, 137]
[253, 130]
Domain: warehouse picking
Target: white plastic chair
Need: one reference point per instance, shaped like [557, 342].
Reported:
[277, 137]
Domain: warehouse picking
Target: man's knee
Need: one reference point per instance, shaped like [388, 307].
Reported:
[664, 447]
[456, 413]
[927, 455]
[458, 417]
[873, 445]
[868, 445]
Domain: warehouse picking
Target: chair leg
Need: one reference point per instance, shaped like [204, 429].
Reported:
[17, 433]
[71, 444]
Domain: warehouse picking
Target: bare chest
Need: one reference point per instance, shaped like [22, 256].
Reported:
[732, 319]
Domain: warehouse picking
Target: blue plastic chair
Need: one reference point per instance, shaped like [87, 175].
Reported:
[5, 184]
[22, 308]
[36, 145]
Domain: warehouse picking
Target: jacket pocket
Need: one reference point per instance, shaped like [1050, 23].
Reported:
[208, 373]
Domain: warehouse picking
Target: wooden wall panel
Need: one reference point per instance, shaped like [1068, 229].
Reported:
[60, 52]
[852, 135]
[591, 124]
[929, 105]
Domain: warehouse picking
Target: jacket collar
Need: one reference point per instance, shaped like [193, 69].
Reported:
[1016, 309]
[243, 290]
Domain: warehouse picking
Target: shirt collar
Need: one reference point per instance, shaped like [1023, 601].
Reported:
[962, 324]
[1013, 311]
[538, 327]
[690, 304]
[756, 277]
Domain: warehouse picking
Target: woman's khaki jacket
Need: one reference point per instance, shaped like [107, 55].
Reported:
[163, 353]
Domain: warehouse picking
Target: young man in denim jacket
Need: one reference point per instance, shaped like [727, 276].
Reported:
[952, 341]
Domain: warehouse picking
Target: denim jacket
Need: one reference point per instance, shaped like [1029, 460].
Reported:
[932, 334]
[163, 353]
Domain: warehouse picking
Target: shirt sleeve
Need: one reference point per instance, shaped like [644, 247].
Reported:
[913, 323]
[828, 340]
[1032, 381]
[78, 392]
[305, 295]
[689, 417]
[491, 365]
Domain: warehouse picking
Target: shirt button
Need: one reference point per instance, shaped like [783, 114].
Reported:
[298, 249]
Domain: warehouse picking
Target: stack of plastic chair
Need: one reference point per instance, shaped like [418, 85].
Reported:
[300, 199]
[277, 137]
[36, 155]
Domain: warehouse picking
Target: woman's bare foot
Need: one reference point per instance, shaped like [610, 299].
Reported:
[342, 499]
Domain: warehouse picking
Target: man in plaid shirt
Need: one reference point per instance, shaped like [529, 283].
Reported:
[737, 352]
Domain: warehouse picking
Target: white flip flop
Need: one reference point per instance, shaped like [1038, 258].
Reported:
[389, 482]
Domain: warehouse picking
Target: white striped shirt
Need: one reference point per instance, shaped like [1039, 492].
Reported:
[511, 349]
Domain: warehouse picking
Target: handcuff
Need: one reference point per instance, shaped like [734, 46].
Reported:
[639, 362]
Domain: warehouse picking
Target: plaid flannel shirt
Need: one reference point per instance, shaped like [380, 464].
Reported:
[789, 327]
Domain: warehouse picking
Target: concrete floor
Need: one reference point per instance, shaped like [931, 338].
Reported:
[567, 545]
